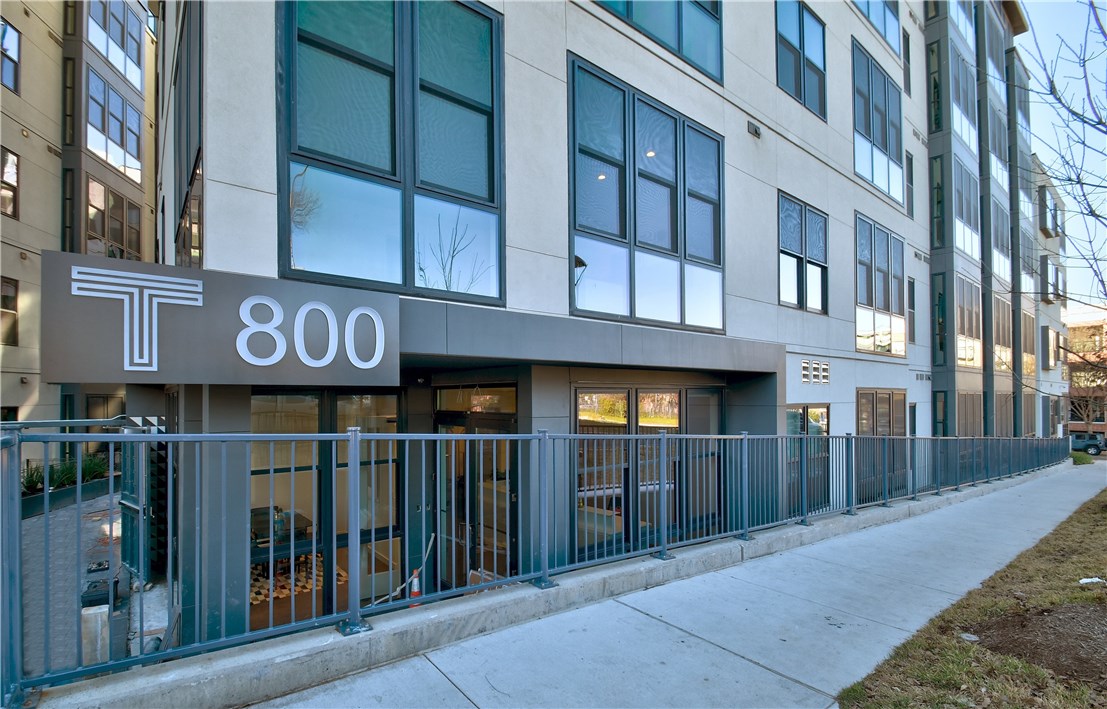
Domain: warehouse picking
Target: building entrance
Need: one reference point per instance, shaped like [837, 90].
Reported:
[477, 486]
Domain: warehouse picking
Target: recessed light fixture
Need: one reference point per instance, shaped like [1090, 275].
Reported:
[601, 176]
[650, 153]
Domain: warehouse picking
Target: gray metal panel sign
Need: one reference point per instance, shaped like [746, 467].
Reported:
[110, 321]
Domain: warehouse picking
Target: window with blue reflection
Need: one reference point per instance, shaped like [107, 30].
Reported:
[884, 16]
[345, 226]
[877, 121]
[703, 296]
[691, 28]
[647, 190]
[601, 276]
[456, 248]
[656, 287]
[394, 173]
[801, 55]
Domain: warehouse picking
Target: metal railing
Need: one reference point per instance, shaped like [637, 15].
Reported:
[208, 541]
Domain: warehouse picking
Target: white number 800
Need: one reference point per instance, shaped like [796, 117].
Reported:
[242, 342]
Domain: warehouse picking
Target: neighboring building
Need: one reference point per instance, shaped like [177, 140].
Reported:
[78, 175]
[1086, 360]
[1051, 386]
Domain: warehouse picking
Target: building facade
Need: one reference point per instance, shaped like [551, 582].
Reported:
[578, 217]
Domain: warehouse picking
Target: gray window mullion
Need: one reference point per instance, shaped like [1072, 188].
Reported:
[407, 110]
[630, 191]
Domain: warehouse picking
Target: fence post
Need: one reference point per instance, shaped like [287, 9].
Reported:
[11, 573]
[744, 485]
[544, 509]
[803, 481]
[354, 622]
[663, 456]
[884, 467]
[851, 488]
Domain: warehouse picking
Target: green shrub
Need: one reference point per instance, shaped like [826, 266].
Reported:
[1081, 458]
[32, 479]
[63, 473]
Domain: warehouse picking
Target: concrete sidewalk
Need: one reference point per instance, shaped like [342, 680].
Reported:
[787, 630]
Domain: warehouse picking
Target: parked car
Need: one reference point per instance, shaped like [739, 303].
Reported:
[1090, 443]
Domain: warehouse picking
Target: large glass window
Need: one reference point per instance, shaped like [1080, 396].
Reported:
[970, 414]
[881, 412]
[934, 87]
[114, 127]
[803, 255]
[970, 350]
[9, 311]
[801, 54]
[966, 197]
[9, 55]
[1028, 258]
[877, 134]
[1029, 348]
[1001, 332]
[9, 183]
[646, 207]
[884, 16]
[619, 485]
[963, 90]
[114, 226]
[938, 319]
[961, 11]
[118, 34]
[296, 502]
[1001, 242]
[691, 28]
[997, 143]
[881, 325]
[937, 203]
[414, 206]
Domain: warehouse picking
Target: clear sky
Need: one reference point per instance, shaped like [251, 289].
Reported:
[1052, 21]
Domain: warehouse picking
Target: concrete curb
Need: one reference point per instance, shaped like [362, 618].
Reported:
[273, 668]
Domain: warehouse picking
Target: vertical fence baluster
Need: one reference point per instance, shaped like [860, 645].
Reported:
[11, 568]
[353, 623]
[544, 510]
[851, 483]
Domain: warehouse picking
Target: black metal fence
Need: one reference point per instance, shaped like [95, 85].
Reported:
[254, 536]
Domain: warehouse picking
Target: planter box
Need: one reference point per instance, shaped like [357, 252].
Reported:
[33, 505]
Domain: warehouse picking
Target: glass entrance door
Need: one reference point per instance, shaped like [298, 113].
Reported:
[477, 515]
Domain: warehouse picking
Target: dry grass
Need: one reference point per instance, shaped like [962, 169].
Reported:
[1015, 663]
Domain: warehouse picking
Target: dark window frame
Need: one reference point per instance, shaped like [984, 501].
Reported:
[896, 425]
[894, 307]
[711, 8]
[9, 60]
[882, 33]
[628, 238]
[804, 259]
[803, 10]
[877, 127]
[9, 305]
[133, 42]
[404, 175]
[8, 185]
[113, 249]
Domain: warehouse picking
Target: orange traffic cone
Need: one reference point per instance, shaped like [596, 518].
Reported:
[415, 591]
